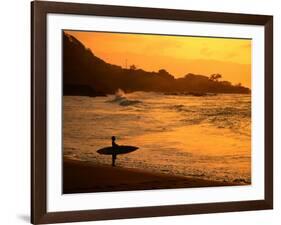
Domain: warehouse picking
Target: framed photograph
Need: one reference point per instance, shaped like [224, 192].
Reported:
[144, 112]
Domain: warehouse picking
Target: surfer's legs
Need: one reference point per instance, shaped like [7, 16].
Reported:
[113, 160]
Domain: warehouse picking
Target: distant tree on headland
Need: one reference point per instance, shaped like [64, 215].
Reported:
[215, 77]
[133, 67]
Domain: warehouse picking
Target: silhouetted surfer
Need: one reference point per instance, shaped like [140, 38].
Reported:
[114, 153]
[116, 149]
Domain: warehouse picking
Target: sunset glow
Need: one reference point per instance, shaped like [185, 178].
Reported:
[179, 55]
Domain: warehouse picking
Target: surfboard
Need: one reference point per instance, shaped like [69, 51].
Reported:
[121, 149]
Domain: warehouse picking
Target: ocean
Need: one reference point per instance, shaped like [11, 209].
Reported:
[206, 137]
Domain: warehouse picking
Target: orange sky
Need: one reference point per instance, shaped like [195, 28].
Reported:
[179, 55]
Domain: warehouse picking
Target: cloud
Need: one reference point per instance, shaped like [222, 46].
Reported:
[231, 55]
[247, 45]
[206, 51]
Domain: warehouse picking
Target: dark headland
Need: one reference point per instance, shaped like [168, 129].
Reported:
[84, 74]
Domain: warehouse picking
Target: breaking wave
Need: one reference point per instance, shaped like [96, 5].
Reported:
[123, 100]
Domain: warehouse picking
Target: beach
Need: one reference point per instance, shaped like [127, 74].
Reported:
[86, 177]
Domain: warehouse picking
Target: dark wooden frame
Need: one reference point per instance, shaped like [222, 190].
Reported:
[39, 11]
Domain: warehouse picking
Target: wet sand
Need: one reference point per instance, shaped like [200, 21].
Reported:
[85, 177]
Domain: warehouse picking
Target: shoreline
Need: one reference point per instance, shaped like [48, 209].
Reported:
[86, 177]
[194, 94]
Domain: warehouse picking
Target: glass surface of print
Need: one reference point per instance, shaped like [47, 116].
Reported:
[174, 111]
